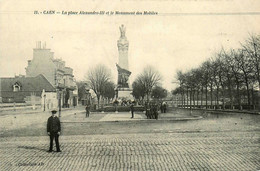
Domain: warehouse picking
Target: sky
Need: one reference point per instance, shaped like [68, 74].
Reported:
[182, 36]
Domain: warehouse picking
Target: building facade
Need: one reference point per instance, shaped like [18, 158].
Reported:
[56, 72]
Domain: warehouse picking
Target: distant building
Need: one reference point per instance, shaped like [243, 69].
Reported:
[21, 89]
[55, 71]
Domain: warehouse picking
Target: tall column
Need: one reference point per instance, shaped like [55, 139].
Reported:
[122, 45]
[123, 90]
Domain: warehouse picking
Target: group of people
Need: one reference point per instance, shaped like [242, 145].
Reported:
[152, 108]
[163, 107]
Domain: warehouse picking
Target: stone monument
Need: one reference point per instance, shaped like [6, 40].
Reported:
[123, 89]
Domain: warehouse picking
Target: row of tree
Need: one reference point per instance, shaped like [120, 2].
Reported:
[229, 78]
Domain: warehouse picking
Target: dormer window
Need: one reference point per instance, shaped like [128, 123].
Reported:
[16, 87]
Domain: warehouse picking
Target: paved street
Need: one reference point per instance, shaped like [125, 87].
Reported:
[217, 142]
[162, 151]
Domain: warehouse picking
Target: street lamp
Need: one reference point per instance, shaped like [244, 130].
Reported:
[44, 98]
[190, 102]
[59, 90]
[59, 103]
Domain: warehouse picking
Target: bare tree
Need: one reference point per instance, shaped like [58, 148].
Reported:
[196, 84]
[206, 78]
[246, 67]
[182, 82]
[233, 61]
[252, 50]
[149, 78]
[228, 77]
[216, 79]
[97, 78]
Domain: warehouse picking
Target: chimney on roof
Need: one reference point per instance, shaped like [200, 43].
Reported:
[44, 45]
[21, 76]
[38, 45]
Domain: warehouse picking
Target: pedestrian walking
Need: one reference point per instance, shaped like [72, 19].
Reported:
[53, 130]
[161, 107]
[87, 111]
[164, 107]
[132, 109]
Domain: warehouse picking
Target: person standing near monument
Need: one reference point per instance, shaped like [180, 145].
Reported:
[132, 109]
[87, 111]
[164, 104]
[53, 130]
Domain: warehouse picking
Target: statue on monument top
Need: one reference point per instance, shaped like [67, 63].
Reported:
[122, 30]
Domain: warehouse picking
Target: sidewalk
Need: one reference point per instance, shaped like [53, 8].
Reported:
[29, 110]
[229, 111]
[28, 118]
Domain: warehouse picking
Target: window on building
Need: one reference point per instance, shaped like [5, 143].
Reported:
[16, 87]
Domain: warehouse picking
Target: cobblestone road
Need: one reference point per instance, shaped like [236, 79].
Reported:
[230, 151]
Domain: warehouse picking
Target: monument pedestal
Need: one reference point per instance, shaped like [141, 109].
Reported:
[124, 93]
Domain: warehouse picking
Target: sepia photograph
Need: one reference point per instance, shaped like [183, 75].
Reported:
[130, 85]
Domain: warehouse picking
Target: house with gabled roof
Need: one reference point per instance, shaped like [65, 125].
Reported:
[20, 89]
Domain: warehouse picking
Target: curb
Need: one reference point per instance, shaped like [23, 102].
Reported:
[139, 120]
[220, 111]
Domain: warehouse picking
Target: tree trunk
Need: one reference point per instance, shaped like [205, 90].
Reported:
[197, 98]
[206, 97]
[223, 98]
[217, 97]
[222, 91]
[230, 93]
[190, 97]
[248, 94]
[201, 102]
[187, 98]
[259, 100]
[211, 96]
[238, 97]
[253, 99]
[193, 98]
[183, 99]
[98, 99]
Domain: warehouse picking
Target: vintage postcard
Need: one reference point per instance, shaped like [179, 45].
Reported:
[129, 85]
